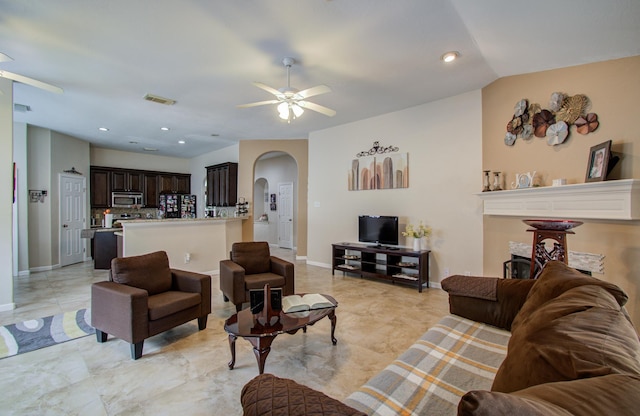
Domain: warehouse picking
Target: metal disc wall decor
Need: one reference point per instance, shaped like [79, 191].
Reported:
[552, 123]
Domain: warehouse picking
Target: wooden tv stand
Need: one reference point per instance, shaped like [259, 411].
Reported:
[397, 264]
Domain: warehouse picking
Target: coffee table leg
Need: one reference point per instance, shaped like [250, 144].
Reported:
[232, 345]
[333, 319]
[261, 348]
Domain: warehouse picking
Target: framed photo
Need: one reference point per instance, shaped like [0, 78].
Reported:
[599, 156]
[272, 204]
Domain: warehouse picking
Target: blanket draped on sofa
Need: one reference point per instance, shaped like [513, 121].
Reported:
[451, 358]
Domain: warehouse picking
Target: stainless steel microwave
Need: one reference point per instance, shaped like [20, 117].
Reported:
[126, 199]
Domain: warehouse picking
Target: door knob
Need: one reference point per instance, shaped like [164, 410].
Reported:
[65, 226]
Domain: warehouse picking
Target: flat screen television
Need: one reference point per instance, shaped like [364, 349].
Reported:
[378, 229]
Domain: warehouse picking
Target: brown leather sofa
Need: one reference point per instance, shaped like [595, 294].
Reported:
[573, 349]
[145, 297]
[251, 266]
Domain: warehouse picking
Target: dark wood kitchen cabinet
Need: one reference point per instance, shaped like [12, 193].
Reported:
[174, 183]
[105, 180]
[150, 190]
[100, 183]
[222, 184]
[127, 181]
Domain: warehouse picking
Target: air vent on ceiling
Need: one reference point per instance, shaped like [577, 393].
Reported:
[159, 100]
[21, 108]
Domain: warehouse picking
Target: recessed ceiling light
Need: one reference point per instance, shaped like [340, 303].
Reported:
[103, 129]
[164, 128]
[181, 141]
[149, 149]
[450, 56]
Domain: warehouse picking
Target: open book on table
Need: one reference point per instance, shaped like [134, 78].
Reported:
[296, 303]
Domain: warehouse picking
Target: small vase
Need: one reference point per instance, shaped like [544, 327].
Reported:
[416, 244]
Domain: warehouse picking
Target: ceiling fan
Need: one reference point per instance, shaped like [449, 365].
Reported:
[291, 102]
[26, 80]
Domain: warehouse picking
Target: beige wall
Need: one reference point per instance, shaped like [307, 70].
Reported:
[249, 152]
[614, 88]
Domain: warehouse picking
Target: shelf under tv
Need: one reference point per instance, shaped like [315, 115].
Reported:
[380, 262]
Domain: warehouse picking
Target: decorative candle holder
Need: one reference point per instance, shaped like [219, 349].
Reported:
[486, 187]
[496, 181]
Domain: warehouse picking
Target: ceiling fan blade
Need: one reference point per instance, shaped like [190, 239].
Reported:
[318, 108]
[258, 103]
[5, 58]
[30, 81]
[267, 88]
[317, 90]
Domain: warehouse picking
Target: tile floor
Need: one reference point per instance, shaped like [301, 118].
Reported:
[184, 371]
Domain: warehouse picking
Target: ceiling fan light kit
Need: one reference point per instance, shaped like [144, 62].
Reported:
[290, 101]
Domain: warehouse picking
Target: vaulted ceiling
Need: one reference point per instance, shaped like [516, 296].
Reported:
[377, 56]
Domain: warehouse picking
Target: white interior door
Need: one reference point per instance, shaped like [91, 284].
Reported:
[285, 215]
[72, 218]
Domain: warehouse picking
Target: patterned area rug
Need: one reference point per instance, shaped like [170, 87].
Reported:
[39, 333]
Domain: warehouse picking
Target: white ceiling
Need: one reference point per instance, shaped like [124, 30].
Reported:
[377, 56]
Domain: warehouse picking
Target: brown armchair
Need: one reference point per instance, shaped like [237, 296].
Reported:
[145, 297]
[251, 267]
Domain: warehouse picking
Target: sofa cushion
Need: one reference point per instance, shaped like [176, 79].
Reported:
[556, 278]
[612, 394]
[150, 272]
[583, 332]
[257, 281]
[269, 395]
[254, 257]
[510, 295]
[167, 303]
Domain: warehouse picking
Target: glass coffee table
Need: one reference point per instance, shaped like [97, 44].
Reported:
[261, 330]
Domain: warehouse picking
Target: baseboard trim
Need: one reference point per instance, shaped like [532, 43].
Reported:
[7, 307]
[44, 268]
[317, 263]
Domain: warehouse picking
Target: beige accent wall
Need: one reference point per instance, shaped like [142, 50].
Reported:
[249, 152]
[613, 88]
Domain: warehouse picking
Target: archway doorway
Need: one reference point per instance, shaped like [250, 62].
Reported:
[274, 222]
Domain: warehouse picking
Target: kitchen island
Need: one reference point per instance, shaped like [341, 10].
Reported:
[193, 244]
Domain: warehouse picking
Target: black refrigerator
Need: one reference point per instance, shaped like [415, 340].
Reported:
[178, 206]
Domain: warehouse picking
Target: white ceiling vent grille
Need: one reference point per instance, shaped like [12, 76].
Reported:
[159, 100]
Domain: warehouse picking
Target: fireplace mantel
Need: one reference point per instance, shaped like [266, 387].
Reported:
[608, 200]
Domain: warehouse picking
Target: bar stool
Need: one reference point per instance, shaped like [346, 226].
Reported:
[555, 230]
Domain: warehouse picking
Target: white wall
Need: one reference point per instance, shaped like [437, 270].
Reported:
[197, 167]
[444, 143]
[6, 189]
[129, 160]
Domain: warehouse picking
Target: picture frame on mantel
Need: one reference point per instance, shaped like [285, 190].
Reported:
[598, 165]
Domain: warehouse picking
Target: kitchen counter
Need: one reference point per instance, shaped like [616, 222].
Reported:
[193, 244]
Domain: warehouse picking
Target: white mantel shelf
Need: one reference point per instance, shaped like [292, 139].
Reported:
[608, 200]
